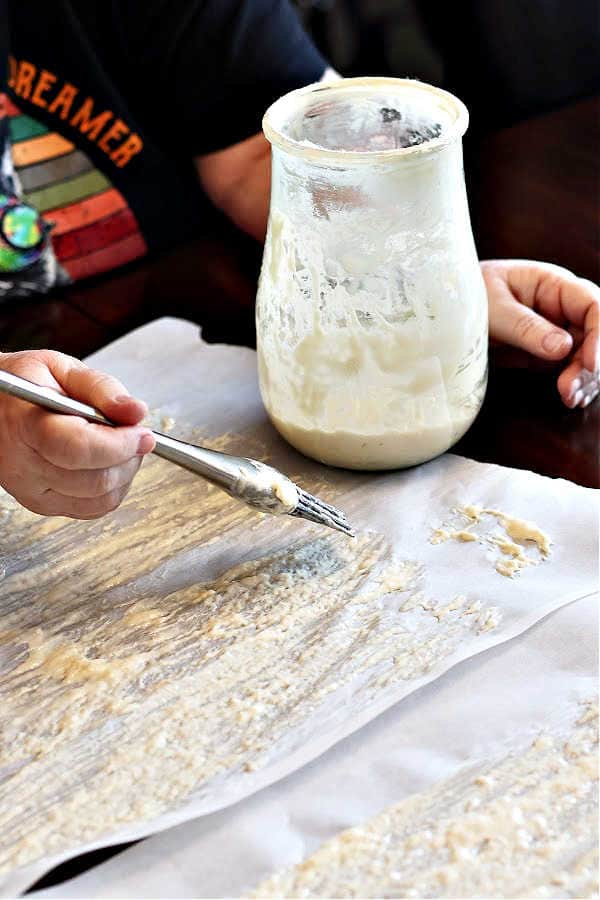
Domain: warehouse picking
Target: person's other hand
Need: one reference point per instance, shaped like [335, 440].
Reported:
[60, 465]
[551, 313]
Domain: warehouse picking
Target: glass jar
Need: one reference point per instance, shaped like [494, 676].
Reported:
[371, 307]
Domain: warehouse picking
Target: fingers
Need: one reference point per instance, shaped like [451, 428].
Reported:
[82, 494]
[51, 503]
[105, 393]
[559, 295]
[577, 385]
[549, 312]
[64, 465]
[591, 326]
[578, 302]
[85, 483]
[519, 326]
[72, 377]
[69, 442]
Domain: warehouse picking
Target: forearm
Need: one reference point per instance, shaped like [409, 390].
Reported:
[238, 181]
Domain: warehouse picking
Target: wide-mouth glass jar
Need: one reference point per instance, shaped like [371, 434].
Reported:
[371, 307]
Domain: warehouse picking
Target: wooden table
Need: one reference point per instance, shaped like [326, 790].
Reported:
[533, 194]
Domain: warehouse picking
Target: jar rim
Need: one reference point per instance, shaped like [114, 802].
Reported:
[278, 114]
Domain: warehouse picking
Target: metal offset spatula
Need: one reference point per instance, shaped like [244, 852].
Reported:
[259, 486]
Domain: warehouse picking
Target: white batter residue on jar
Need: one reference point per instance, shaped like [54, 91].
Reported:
[153, 690]
[371, 378]
[522, 826]
[514, 530]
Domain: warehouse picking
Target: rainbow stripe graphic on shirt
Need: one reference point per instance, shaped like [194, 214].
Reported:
[94, 228]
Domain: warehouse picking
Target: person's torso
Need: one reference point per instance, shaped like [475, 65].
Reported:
[73, 151]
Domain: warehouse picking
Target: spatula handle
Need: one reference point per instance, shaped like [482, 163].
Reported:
[220, 468]
[48, 397]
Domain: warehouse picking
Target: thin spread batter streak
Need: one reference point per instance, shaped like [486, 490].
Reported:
[120, 699]
[512, 558]
[522, 826]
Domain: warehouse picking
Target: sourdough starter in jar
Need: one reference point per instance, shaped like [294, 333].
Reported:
[371, 310]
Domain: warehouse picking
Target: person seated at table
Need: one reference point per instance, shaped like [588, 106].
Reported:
[118, 119]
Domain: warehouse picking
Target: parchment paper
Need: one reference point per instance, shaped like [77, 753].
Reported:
[215, 387]
[485, 706]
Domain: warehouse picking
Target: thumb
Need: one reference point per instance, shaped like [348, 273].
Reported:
[97, 389]
[513, 323]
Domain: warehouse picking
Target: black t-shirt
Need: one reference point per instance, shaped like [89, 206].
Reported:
[106, 105]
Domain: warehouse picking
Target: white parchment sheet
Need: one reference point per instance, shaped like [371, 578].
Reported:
[215, 387]
[483, 707]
